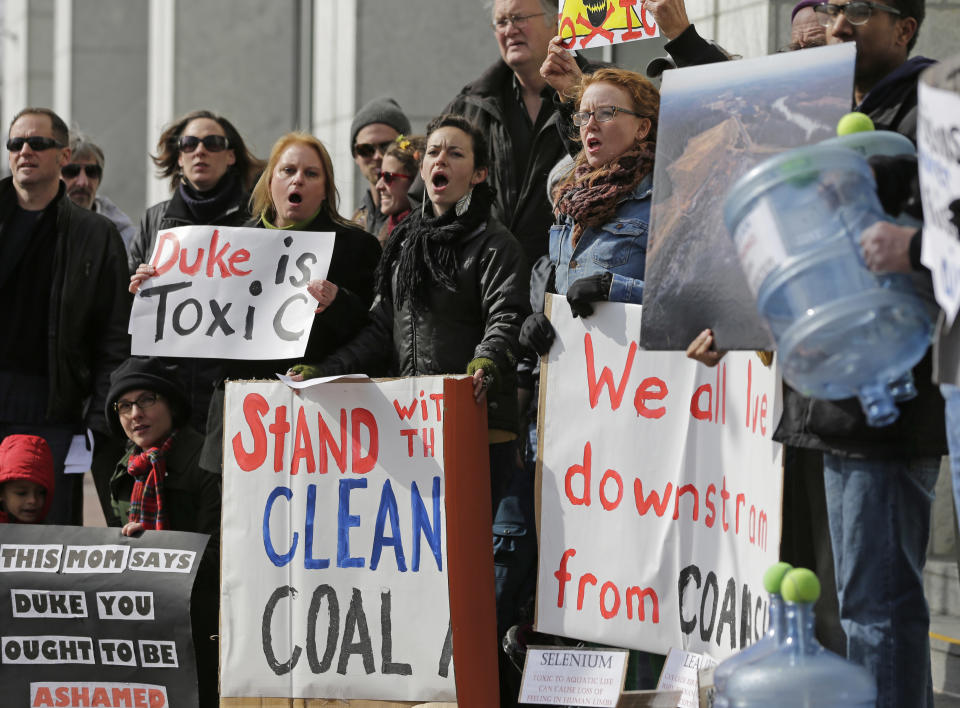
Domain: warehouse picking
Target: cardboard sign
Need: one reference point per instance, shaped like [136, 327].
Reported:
[938, 148]
[580, 676]
[356, 543]
[681, 672]
[659, 508]
[229, 293]
[718, 121]
[600, 23]
[93, 618]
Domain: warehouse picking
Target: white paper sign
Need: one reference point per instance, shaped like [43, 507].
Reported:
[578, 676]
[938, 153]
[229, 293]
[334, 563]
[660, 490]
[681, 672]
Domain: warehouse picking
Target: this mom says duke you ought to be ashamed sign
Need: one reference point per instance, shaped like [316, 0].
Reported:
[229, 293]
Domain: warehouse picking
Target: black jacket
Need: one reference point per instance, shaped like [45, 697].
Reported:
[481, 318]
[521, 200]
[839, 427]
[89, 310]
[199, 375]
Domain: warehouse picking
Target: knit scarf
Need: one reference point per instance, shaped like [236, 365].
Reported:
[591, 196]
[207, 206]
[148, 470]
[422, 250]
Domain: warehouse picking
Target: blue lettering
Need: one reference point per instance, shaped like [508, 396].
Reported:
[309, 562]
[388, 507]
[277, 559]
[345, 521]
[421, 522]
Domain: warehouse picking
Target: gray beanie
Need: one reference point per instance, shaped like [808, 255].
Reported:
[380, 110]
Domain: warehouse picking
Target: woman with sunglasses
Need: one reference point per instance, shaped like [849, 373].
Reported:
[598, 247]
[210, 171]
[398, 170]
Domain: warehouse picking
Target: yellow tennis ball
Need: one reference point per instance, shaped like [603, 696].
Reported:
[800, 586]
[855, 122]
[774, 576]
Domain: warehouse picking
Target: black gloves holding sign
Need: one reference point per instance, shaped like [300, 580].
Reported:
[593, 288]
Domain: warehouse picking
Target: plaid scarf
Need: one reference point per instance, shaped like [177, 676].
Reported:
[590, 196]
[148, 470]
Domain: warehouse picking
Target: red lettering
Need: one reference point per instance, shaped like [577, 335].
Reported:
[650, 389]
[216, 257]
[562, 575]
[724, 393]
[584, 471]
[606, 376]
[100, 697]
[763, 415]
[279, 428]
[362, 418]
[651, 27]
[162, 242]
[696, 406]
[193, 268]
[437, 398]
[42, 697]
[640, 593]
[724, 495]
[241, 255]
[339, 453]
[741, 501]
[584, 579]
[254, 407]
[643, 504]
[302, 446]
[612, 612]
[686, 489]
[708, 502]
[749, 383]
[157, 698]
[405, 413]
[630, 33]
[615, 476]
[409, 434]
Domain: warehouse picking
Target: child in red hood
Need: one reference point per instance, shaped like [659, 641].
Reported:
[26, 479]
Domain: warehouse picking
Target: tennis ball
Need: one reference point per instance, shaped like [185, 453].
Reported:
[800, 586]
[774, 576]
[855, 122]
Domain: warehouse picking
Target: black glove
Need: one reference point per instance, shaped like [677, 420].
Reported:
[898, 184]
[537, 333]
[593, 288]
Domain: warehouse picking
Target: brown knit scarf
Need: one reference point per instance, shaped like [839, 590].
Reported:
[590, 196]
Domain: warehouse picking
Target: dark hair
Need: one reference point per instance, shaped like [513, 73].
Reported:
[82, 146]
[915, 9]
[481, 153]
[408, 150]
[61, 133]
[247, 165]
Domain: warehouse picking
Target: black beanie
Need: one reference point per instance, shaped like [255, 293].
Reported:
[151, 374]
[379, 110]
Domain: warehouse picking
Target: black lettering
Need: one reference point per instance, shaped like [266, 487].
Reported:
[304, 270]
[275, 666]
[711, 583]
[387, 665]
[219, 318]
[690, 572]
[319, 666]
[177, 315]
[285, 334]
[728, 613]
[162, 291]
[356, 622]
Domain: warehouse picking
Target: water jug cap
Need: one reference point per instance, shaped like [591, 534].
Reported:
[855, 122]
[774, 576]
[800, 586]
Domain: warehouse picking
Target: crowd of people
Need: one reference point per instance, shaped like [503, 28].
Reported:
[536, 178]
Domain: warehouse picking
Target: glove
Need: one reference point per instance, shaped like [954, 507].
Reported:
[898, 184]
[593, 288]
[308, 371]
[490, 374]
[537, 333]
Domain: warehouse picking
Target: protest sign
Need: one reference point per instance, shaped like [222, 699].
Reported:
[356, 543]
[660, 490]
[717, 121]
[938, 150]
[93, 618]
[599, 23]
[229, 293]
[681, 672]
[573, 676]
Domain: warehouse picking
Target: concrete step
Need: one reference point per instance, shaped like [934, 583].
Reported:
[942, 585]
[945, 654]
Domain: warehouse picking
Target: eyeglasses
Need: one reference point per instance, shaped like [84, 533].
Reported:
[519, 21]
[125, 408]
[856, 12]
[602, 114]
[367, 150]
[92, 171]
[36, 143]
[388, 177]
[213, 143]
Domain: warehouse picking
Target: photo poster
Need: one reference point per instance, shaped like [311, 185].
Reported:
[229, 293]
[586, 24]
[89, 617]
[938, 155]
[356, 543]
[659, 508]
[718, 121]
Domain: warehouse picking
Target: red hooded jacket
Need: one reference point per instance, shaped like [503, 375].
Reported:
[27, 457]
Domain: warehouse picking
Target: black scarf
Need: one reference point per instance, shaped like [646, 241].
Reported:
[207, 206]
[423, 250]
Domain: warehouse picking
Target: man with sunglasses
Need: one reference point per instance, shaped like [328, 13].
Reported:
[63, 302]
[82, 177]
[373, 129]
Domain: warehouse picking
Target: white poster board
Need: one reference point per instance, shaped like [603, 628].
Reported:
[334, 563]
[660, 490]
[229, 293]
[938, 151]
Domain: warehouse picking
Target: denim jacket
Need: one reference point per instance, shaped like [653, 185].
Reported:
[619, 247]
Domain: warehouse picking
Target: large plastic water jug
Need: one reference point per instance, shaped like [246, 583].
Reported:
[775, 635]
[841, 330]
[801, 673]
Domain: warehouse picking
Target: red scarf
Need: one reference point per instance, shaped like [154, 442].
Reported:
[149, 469]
